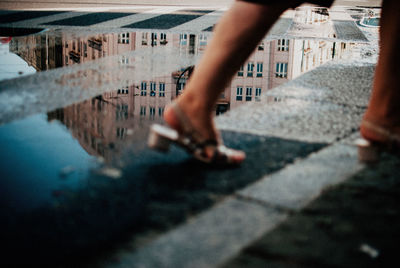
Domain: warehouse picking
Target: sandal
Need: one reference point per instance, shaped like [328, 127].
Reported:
[377, 139]
[210, 151]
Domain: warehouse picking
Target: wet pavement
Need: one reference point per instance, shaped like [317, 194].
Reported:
[350, 225]
[79, 185]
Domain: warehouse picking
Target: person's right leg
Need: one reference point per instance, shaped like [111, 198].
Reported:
[381, 121]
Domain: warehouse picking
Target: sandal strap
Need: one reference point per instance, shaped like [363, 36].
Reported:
[187, 127]
[195, 144]
[386, 133]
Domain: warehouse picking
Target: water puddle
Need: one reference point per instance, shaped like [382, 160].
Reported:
[86, 96]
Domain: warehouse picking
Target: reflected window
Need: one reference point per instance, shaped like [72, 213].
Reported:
[183, 39]
[202, 40]
[239, 93]
[152, 112]
[144, 39]
[250, 69]
[121, 133]
[283, 45]
[123, 91]
[259, 69]
[153, 39]
[281, 70]
[123, 38]
[142, 110]
[258, 94]
[162, 89]
[261, 46]
[248, 93]
[240, 72]
[143, 89]
[124, 60]
[121, 112]
[160, 111]
[152, 89]
[85, 49]
[163, 39]
[181, 85]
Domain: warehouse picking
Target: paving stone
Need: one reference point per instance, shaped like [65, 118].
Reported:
[335, 82]
[299, 183]
[294, 119]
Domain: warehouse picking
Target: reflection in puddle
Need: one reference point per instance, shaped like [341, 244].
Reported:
[103, 124]
[130, 74]
[271, 64]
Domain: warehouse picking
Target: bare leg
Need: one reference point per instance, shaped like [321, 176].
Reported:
[384, 106]
[235, 37]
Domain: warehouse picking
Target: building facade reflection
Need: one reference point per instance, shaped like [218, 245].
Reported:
[103, 124]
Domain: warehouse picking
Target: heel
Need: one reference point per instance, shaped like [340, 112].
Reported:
[368, 152]
[160, 137]
[158, 142]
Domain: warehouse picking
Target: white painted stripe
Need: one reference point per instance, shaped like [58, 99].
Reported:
[144, 15]
[42, 20]
[209, 240]
[297, 185]
[200, 23]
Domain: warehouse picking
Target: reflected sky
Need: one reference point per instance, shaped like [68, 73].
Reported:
[39, 158]
[11, 65]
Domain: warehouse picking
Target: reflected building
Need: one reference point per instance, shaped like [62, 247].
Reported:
[271, 64]
[103, 124]
[81, 50]
[43, 52]
[275, 62]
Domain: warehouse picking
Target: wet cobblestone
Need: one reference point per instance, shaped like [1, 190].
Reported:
[350, 225]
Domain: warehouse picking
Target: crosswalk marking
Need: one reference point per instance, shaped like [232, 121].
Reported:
[89, 19]
[169, 18]
[148, 13]
[199, 24]
[36, 22]
[141, 17]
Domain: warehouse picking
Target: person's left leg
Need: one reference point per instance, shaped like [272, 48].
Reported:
[235, 37]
